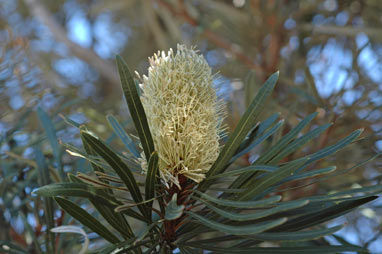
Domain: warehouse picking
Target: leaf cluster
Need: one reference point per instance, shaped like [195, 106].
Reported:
[231, 211]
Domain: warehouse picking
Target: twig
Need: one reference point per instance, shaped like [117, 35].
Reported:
[212, 37]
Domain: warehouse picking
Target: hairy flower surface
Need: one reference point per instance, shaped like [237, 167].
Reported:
[184, 114]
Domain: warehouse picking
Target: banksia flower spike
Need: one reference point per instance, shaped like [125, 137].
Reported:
[184, 114]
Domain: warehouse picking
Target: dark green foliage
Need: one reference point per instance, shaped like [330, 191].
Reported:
[249, 209]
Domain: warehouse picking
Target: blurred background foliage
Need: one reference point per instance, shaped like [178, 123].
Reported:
[57, 59]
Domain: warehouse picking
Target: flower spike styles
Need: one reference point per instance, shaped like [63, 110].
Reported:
[184, 114]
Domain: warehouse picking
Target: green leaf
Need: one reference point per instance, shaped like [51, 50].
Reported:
[280, 250]
[75, 190]
[128, 246]
[119, 167]
[116, 248]
[91, 156]
[258, 141]
[133, 214]
[280, 207]
[296, 236]
[315, 218]
[375, 188]
[244, 125]
[293, 146]
[334, 148]
[135, 106]
[307, 235]
[285, 140]
[252, 168]
[146, 230]
[188, 250]
[272, 178]
[70, 121]
[43, 173]
[337, 173]
[240, 204]
[116, 220]
[226, 190]
[237, 230]
[311, 173]
[86, 219]
[52, 137]
[151, 179]
[90, 151]
[121, 133]
[254, 134]
[264, 125]
[173, 210]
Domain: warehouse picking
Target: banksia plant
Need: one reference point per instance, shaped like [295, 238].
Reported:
[181, 183]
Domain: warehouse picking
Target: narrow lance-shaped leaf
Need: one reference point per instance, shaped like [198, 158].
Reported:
[52, 137]
[135, 106]
[311, 173]
[272, 178]
[121, 133]
[89, 156]
[43, 173]
[281, 250]
[240, 204]
[151, 179]
[117, 248]
[86, 219]
[90, 151]
[334, 148]
[252, 168]
[75, 230]
[285, 140]
[293, 146]
[244, 125]
[70, 121]
[258, 141]
[75, 190]
[237, 230]
[119, 167]
[254, 215]
[297, 236]
[264, 125]
[248, 143]
[309, 220]
[305, 235]
[116, 220]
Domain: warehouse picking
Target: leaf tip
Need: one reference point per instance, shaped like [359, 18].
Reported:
[118, 58]
[36, 191]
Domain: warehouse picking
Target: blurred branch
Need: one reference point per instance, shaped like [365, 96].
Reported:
[105, 69]
[342, 30]
[151, 19]
[211, 36]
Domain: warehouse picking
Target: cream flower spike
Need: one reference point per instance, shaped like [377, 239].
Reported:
[184, 114]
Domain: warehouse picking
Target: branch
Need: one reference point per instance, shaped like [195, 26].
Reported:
[342, 30]
[105, 69]
[212, 37]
